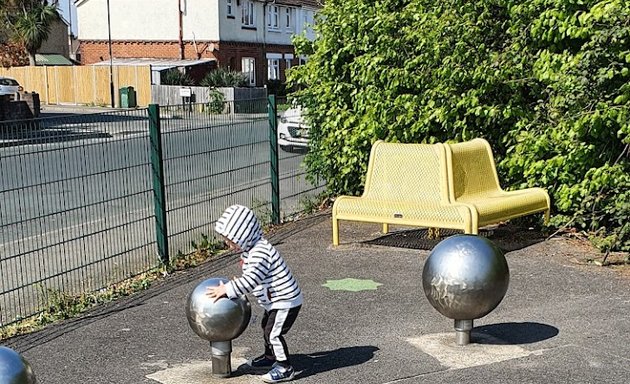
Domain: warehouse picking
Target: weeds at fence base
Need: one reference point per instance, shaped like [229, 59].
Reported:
[61, 305]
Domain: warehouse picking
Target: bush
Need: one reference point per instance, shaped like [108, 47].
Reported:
[224, 78]
[175, 77]
[216, 103]
[276, 87]
[545, 81]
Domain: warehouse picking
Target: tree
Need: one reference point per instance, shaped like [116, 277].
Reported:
[545, 81]
[28, 22]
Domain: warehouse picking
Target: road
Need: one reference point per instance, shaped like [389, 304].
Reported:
[86, 205]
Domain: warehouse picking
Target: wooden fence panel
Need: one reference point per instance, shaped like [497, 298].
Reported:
[52, 85]
[84, 89]
[87, 85]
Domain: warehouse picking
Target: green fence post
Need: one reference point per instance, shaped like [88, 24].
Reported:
[159, 195]
[273, 144]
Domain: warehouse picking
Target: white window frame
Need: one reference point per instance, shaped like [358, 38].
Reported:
[288, 18]
[273, 66]
[248, 14]
[273, 17]
[288, 57]
[230, 8]
[248, 67]
[273, 69]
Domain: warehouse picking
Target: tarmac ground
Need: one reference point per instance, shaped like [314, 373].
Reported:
[365, 320]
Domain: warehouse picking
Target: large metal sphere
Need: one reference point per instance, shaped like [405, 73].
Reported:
[14, 369]
[465, 277]
[222, 320]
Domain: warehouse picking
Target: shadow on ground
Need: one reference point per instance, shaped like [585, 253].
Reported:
[58, 127]
[174, 280]
[513, 333]
[318, 362]
[507, 237]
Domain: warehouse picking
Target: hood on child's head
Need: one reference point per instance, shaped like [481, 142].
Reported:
[239, 224]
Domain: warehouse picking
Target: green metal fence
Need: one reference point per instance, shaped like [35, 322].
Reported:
[90, 200]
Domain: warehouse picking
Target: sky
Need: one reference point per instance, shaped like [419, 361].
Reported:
[64, 7]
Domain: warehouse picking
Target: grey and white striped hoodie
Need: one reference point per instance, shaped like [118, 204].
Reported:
[265, 273]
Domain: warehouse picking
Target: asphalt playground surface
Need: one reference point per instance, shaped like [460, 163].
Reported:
[365, 320]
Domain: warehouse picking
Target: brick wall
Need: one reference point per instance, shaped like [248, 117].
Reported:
[227, 54]
[95, 51]
[26, 106]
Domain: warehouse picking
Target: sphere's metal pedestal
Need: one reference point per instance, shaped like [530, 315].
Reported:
[217, 321]
[462, 331]
[221, 358]
[464, 278]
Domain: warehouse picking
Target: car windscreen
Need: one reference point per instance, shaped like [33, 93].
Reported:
[8, 82]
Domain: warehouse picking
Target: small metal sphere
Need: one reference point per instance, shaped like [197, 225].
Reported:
[465, 277]
[221, 320]
[14, 369]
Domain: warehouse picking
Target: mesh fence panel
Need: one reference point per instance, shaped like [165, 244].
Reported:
[77, 200]
[75, 213]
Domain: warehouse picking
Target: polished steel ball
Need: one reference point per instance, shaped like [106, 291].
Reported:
[14, 369]
[222, 320]
[465, 277]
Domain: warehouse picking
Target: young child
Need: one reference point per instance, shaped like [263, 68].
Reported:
[267, 276]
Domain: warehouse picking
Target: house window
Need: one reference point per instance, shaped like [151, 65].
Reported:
[230, 10]
[247, 14]
[248, 67]
[273, 17]
[273, 69]
[288, 60]
[288, 18]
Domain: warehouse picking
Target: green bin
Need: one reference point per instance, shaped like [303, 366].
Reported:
[127, 97]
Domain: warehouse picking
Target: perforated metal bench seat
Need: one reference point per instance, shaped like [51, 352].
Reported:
[473, 180]
[508, 205]
[401, 212]
[453, 186]
[406, 185]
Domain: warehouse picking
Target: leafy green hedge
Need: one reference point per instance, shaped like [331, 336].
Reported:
[547, 82]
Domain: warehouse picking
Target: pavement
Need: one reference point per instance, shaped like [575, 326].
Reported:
[365, 320]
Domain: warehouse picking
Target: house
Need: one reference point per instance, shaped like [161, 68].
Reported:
[55, 50]
[250, 36]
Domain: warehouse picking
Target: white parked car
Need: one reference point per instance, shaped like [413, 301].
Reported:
[9, 86]
[292, 130]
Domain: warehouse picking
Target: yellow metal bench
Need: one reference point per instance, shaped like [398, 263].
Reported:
[473, 181]
[406, 184]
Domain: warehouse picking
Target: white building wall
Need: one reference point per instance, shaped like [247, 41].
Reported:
[203, 20]
[232, 29]
[152, 20]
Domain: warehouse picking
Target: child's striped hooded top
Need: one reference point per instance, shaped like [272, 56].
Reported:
[265, 273]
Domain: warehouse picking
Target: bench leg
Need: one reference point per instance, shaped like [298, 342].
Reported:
[433, 233]
[547, 214]
[385, 228]
[335, 231]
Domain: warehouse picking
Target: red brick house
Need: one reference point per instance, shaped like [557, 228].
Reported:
[250, 36]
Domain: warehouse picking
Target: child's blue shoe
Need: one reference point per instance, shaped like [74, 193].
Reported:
[261, 361]
[278, 373]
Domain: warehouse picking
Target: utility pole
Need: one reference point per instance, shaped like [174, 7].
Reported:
[181, 30]
[111, 59]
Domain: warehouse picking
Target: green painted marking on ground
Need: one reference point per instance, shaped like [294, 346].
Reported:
[352, 285]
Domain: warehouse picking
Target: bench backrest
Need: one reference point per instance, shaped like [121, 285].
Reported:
[472, 172]
[407, 172]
